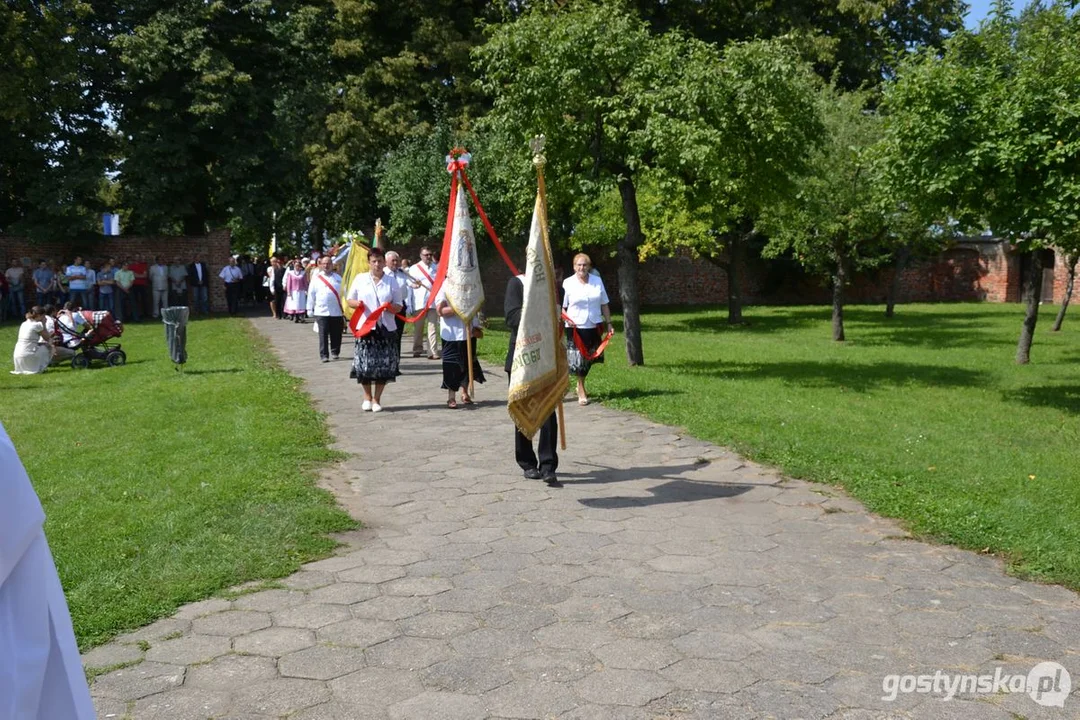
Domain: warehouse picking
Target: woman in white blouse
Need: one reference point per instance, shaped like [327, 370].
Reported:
[34, 348]
[455, 363]
[585, 302]
[375, 359]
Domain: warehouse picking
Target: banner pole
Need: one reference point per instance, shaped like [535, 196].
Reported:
[562, 428]
[469, 354]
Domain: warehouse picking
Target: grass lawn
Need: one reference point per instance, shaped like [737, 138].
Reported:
[923, 417]
[161, 487]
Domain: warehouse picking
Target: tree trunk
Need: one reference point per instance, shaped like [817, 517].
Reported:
[1032, 293]
[1070, 261]
[894, 286]
[627, 254]
[736, 252]
[838, 280]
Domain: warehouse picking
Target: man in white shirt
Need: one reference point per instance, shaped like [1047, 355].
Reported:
[401, 282]
[159, 286]
[234, 280]
[421, 279]
[76, 275]
[41, 674]
[324, 304]
[16, 289]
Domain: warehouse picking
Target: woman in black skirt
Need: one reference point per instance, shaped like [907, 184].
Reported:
[585, 302]
[375, 359]
[455, 362]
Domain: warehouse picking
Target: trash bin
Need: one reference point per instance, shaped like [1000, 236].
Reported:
[176, 319]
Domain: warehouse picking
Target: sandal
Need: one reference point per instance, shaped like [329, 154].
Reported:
[452, 404]
[583, 401]
[465, 399]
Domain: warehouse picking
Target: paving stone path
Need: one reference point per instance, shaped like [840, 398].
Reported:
[670, 579]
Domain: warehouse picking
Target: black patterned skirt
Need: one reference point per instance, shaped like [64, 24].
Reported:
[455, 367]
[591, 339]
[375, 359]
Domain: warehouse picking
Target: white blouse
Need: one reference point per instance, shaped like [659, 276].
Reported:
[373, 293]
[582, 301]
[451, 328]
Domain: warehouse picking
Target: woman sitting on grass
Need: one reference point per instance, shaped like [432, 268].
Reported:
[34, 348]
[585, 302]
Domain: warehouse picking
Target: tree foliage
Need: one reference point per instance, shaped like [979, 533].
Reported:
[987, 132]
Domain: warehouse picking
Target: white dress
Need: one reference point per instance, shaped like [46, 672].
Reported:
[30, 356]
[41, 674]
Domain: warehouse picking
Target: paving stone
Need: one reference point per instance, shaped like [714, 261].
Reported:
[183, 704]
[311, 615]
[111, 655]
[439, 625]
[271, 600]
[274, 641]
[307, 580]
[552, 665]
[438, 706]
[343, 593]
[336, 564]
[169, 627]
[334, 710]
[108, 708]
[231, 623]
[189, 649]
[637, 654]
[517, 617]
[371, 574]
[229, 672]
[528, 593]
[529, 700]
[391, 608]
[203, 607]
[709, 675]
[612, 686]
[417, 586]
[471, 676]
[146, 678]
[493, 643]
[321, 662]
[408, 653]
[280, 697]
[651, 626]
[462, 601]
[374, 688]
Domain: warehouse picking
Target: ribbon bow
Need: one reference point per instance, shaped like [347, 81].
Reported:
[458, 159]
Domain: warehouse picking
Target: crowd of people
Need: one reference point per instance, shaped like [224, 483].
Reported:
[130, 288]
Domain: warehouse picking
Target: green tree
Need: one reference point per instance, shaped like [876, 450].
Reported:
[986, 132]
[831, 224]
[55, 78]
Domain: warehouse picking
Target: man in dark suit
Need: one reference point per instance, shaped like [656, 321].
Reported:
[549, 431]
[199, 281]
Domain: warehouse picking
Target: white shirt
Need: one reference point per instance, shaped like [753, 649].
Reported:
[159, 277]
[374, 293]
[452, 328]
[401, 279]
[231, 274]
[321, 302]
[582, 301]
[420, 294]
[14, 276]
[72, 321]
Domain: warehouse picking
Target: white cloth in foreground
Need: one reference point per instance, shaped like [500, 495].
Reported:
[41, 674]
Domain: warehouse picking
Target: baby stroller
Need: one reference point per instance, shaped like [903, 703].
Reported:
[92, 342]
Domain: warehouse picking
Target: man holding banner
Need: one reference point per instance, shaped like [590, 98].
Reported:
[536, 359]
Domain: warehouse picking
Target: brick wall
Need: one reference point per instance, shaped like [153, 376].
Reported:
[214, 249]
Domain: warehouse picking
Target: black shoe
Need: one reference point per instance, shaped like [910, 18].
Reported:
[532, 474]
[550, 480]
[326, 359]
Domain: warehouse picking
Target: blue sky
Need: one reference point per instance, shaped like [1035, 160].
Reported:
[979, 10]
